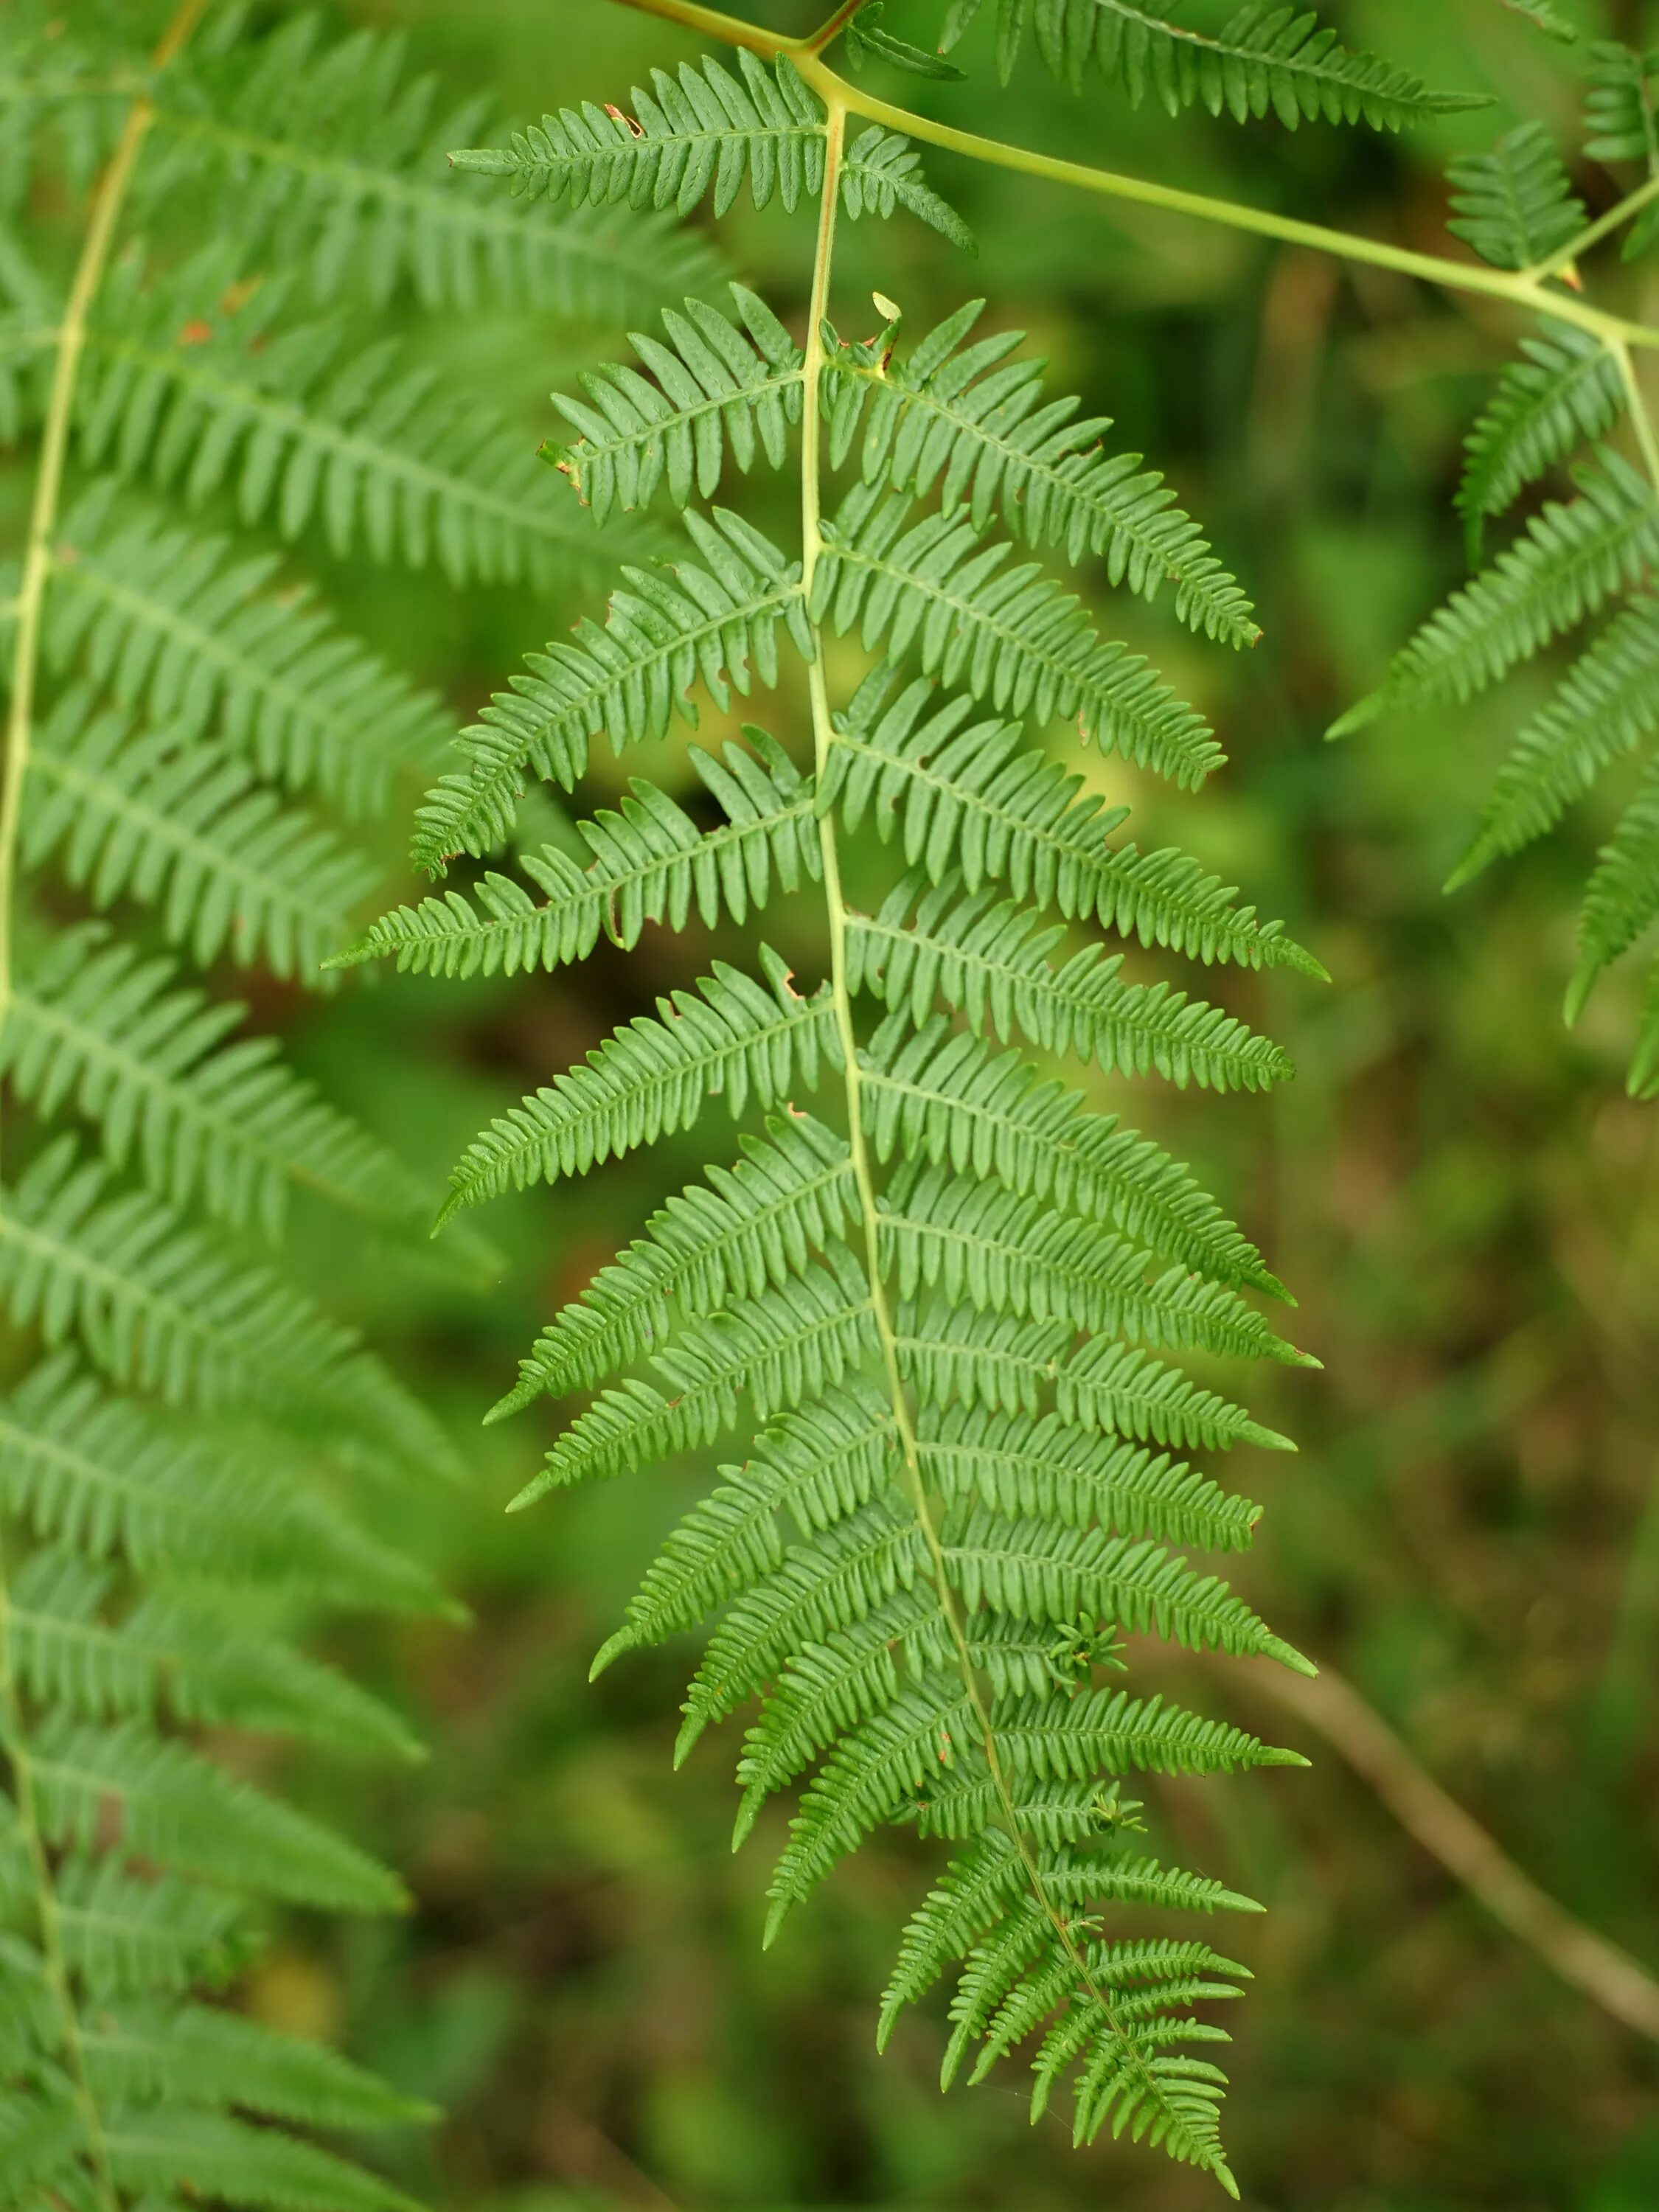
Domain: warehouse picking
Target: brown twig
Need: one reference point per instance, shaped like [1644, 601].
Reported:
[1608, 1976]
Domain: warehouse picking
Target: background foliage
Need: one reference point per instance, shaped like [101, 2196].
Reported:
[1461, 1194]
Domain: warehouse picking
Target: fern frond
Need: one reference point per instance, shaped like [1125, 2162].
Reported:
[738, 1040]
[166, 2148]
[668, 631]
[197, 390]
[752, 1227]
[722, 386]
[1014, 638]
[165, 1307]
[987, 959]
[189, 830]
[188, 1816]
[795, 1341]
[651, 863]
[1268, 59]
[1567, 388]
[207, 2055]
[1514, 204]
[187, 630]
[973, 798]
[1022, 1465]
[125, 1934]
[95, 1025]
[1045, 1571]
[1007, 1254]
[974, 424]
[181, 1650]
[107, 1475]
[946, 1096]
[1607, 704]
[326, 157]
[1567, 562]
[819, 1464]
[1620, 123]
[706, 129]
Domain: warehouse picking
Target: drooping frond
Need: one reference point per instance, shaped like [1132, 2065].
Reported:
[650, 863]
[1607, 704]
[988, 958]
[1011, 636]
[930, 1308]
[974, 422]
[1514, 204]
[1567, 562]
[95, 1025]
[185, 628]
[717, 388]
[189, 830]
[1567, 388]
[735, 1039]
[194, 387]
[1268, 59]
[689, 623]
[328, 157]
[707, 129]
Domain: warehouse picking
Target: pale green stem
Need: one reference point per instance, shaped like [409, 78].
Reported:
[103, 216]
[1593, 234]
[1520, 289]
[1641, 420]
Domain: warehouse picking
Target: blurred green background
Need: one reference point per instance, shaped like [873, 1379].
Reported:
[1456, 1189]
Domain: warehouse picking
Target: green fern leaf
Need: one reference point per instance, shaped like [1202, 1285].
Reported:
[1515, 206]
[650, 863]
[975, 423]
[945, 1094]
[739, 1040]
[707, 129]
[819, 1464]
[95, 1023]
[183, 628]
[201, 394]
[1268, 59]
[988, 960]
[1566, 388]
[1015, 639]
[188, 1816]
[668, 631]
[717, 388]
[326, 156]
[1607, 705]
[1011, 1254]
[795, 1341]
[751, 1228]
[173, 2149]
[1020, 1465]
[1622, 901]
[189, 830]
[1569, 561]
[971, 799]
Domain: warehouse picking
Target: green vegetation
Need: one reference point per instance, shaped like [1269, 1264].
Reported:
[839, 1092]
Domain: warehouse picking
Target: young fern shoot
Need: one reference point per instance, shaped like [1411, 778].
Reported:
[940, 1297]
